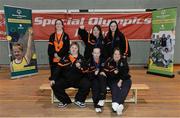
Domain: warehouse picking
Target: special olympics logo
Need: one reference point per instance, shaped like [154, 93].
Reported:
[163, 12]
[19, 11]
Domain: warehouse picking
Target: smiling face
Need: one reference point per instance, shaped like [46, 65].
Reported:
[17, 52]
[96, 32]
[113, 27]
[116, 55]
[59, 25]
[74, 49]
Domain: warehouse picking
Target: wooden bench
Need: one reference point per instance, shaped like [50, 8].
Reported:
[134, 89]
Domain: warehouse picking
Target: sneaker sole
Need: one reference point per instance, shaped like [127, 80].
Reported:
[79, 105]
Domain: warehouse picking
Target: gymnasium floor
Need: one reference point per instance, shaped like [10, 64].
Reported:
[22, 97]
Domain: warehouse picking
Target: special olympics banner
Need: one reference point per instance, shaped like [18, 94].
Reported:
[135, 25]
[162, 43]
[2, 27]
[23, 60]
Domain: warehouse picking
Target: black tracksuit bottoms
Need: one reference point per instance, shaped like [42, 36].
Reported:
[82, 84]
[98, 88]
[119, 94]
[53, 68]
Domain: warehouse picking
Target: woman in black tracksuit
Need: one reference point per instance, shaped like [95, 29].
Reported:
[70, 74]
[58, 45]
[116, 39]
[118, 79]
[95, 39]
[98, 79]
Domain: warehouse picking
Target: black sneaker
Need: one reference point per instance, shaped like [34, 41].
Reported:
[62, 105]
[80, 104]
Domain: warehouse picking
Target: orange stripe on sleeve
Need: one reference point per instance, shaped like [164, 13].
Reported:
[60, 64]
[56, 59]
[126, 51]
[72, 59]
[50, 43]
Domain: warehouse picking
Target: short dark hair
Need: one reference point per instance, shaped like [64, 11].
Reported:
[76, 44]
[97, 48]
[117, 49]
[59, 20]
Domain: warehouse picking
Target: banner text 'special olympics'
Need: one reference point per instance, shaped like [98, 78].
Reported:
[92, 21]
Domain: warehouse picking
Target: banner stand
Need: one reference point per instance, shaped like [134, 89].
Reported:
[163, 75]
[22, 54]
[161, 58]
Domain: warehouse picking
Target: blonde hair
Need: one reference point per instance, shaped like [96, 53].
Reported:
[19, 46]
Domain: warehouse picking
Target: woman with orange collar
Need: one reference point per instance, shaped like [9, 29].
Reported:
[70, 73]
[58, 45]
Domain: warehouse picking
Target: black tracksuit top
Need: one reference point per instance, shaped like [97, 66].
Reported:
[67, 69]
[51, 46]
[90, 43]
[121, 66]
[119, 41]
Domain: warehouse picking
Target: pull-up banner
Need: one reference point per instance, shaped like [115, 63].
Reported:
[136, 26]
[162, 43]
[23, 60]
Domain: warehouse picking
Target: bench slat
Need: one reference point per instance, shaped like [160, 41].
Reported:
[134, 86]
[47, 87]
[139, 86]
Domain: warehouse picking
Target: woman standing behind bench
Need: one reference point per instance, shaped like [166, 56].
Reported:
[58, 45]
[118, 79]
[70, 74]
[93, 40]
[116, 39]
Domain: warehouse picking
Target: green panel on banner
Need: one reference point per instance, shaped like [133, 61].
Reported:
[23, 72]
[23, 59]
[163, 41]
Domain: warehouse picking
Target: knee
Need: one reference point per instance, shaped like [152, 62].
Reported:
[86, 85]
[130, 82]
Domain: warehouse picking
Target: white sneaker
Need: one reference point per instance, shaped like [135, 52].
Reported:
[114, 106]
[120, 109]
[98, 110]
[107, 88]
[101, 103]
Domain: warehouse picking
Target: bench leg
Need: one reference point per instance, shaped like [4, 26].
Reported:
[52, 97]
[135, 96]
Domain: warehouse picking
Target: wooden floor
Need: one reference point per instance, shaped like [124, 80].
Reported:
[21, 97]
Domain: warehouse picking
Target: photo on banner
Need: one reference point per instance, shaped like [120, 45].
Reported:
[162, 44]
[23, 61]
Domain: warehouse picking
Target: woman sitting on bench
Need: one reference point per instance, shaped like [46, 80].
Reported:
[70, 74]
[118, 80]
